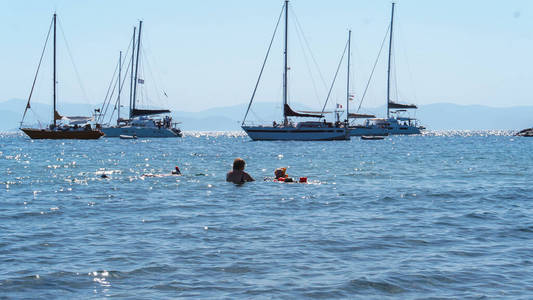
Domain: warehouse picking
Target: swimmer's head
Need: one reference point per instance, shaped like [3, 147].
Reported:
[238, 164]
[176, 170]
[280, 173]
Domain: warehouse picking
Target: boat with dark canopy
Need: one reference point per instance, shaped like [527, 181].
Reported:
[396, 123]
[287, 129]
[141, 122]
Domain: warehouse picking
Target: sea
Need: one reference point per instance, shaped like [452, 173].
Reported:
[444, 215]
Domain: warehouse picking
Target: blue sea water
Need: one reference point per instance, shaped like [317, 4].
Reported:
[443, 215]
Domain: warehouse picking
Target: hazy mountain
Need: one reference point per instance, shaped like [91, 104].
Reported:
[439, 116]
[445, 116]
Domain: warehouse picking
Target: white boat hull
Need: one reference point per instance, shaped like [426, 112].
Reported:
[389, 126]
[269, 133]
[372, 130]
[140, 132]
[368, 131]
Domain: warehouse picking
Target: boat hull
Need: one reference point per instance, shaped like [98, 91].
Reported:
[404, 130]
[269, 133]
[368, 131]
[41, 134]
[141, 132]
[528, 132]
[376, 131]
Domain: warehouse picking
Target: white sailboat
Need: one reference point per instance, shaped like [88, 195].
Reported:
[288, 130]
[141, 122]
[395, 123]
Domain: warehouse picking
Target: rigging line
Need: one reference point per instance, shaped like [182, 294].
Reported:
[121, 84]
[102, 115]
[149, 67]
[299, 35]
[114, 83]
[157, 71]
[116, 101]
[258, 117]
[309, 49]
[373, 69]
[110, 97]
[37, 117]
[263, 66]
[143, 98]
[109, 102]
[395, 68]
[335, 77]
[142, 90]
[73, 64]
[107, 97]
[37, 72]
[123, 79]
[408, 65]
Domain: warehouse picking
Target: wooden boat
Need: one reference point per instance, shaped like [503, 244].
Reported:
[61, 131]
[58, 134]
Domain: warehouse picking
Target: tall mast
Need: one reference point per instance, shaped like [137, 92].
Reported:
[132, 65]
[55, 16]
[137, 64]
[119, 84]
[348, 76]
[390, 51]
[285, 70]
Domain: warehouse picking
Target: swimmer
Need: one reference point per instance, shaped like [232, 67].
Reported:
[237, 175]
[176, 171]
[281, 176]
[280, 173]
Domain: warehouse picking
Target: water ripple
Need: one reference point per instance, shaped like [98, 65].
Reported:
[444, 215]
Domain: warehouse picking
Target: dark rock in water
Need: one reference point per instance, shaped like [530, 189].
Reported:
[526, 132]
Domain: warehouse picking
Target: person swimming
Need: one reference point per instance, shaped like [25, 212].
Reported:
[281, 175]
[237, 175]
[176, 171]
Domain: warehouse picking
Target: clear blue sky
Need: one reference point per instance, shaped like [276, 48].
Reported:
[208, 53]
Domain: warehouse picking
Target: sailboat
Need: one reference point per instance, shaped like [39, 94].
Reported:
[288, 130]
[141, 122]
[395, 123]
[77, 128]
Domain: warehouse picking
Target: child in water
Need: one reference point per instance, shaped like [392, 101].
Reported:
[237, 175]
[281, 175]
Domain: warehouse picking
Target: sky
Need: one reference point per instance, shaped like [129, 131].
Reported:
[208, 53]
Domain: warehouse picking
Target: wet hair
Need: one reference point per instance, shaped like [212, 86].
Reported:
[238, 164]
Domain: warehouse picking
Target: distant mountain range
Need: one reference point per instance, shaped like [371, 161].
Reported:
[439, 116]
